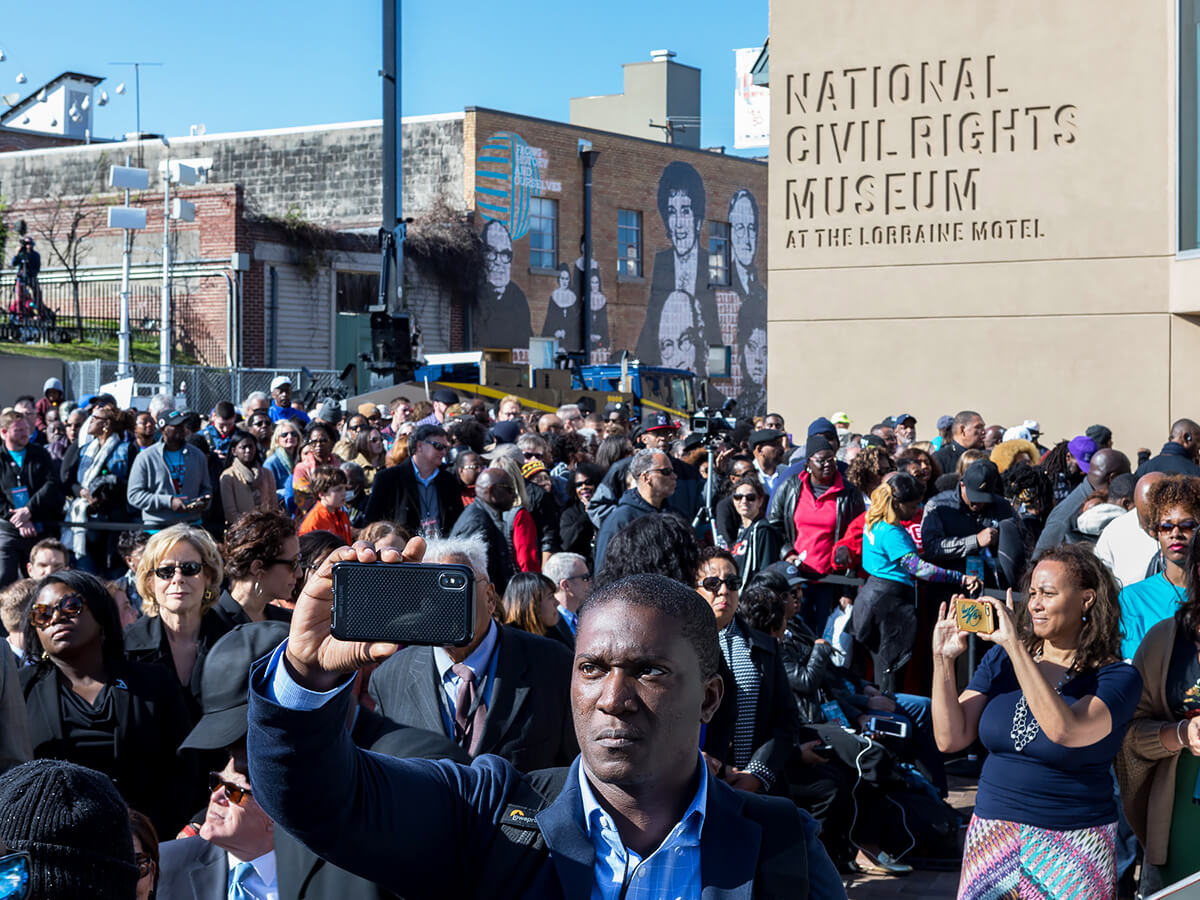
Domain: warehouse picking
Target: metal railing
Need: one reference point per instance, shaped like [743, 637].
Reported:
[201, 387]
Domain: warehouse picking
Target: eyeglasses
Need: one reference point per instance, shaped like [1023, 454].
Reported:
[15, 876]
[532, 454]
[666, 473]
[144, 863]
[1187, 526]
[712, 583]
[293, 564]
[67, 608]
[585, 483]
[586, 576]
[745, 497]
[234, 793]
[438, 446]
[189, 570]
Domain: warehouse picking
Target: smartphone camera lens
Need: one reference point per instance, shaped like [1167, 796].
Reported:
[451, 581]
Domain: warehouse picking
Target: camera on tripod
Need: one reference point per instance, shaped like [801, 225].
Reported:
[710, 424]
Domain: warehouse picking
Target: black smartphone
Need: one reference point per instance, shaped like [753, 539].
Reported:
[822, 749]
[404, 603]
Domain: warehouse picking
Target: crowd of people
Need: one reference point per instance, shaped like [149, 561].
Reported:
[667, 617]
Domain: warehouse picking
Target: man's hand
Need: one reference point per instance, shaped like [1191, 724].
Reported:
[316, 659]
[841, 558]
[744, 781]
[21, 517]
[178, 504]
[987, 537]
[808, 757]
[880, 703]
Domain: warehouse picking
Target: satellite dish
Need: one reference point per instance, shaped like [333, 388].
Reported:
[25, 121]
[53, 123]
[103, 101]
[73, 111]
[11, 99]
[2, 56]
[21, 79]
[87, 101]
[121, 88]
[42, 96]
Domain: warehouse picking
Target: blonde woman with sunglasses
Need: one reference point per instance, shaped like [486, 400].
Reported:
[179, 578]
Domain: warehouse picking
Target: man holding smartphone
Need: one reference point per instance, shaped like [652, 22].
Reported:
[169, 482]
[636, 815]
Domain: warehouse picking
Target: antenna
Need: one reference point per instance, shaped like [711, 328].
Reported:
[137, 84]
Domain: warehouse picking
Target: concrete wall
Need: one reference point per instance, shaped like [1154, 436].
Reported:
[652, 92]
[332, 173]
[974, 206]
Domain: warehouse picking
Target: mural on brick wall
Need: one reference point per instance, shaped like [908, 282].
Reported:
[685, 312]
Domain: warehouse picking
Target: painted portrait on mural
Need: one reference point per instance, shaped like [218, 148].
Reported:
[501, 314]
[599, 306]
[681, 202]
[743, 229]
[563, 314]
[681, 334]
[751, 356]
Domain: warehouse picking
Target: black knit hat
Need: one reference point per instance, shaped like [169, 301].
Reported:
[75, 827]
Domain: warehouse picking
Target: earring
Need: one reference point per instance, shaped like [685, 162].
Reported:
[208, 594]
[257, 587]
[1085, 618]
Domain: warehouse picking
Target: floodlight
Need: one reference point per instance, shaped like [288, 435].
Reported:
[129, 177]
[127, 217]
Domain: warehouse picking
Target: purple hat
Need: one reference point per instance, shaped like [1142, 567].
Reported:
[1082, 448]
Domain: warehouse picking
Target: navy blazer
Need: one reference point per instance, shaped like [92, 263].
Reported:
[427, 829]
[395, 498]
[529, 717]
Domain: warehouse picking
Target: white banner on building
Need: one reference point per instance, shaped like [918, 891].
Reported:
[751, 104]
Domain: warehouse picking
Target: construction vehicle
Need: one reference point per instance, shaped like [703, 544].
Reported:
[643, 389]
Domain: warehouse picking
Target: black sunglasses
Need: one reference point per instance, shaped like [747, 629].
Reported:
[712, 583]
[189, 570]
[293, 564]
[67, 608]
[234, 793]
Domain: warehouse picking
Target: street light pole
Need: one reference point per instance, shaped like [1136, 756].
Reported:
[124, 365]
[164, 313]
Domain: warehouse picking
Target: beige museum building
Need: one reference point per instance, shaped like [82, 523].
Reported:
[986, 205]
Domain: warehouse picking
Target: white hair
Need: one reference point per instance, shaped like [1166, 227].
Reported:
[471, 550]
[160, 403]
[643, 462]
[559, 566]
[255, 397]
[568, 408]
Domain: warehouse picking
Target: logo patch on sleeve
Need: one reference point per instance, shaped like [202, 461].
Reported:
[518, 817]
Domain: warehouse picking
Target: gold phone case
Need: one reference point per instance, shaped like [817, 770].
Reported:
[974, 615]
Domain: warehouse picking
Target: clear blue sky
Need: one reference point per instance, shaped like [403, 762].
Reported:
[271, 64]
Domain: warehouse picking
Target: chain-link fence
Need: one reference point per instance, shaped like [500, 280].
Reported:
[202, 387]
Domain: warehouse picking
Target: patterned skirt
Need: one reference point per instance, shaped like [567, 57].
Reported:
[1010, 861]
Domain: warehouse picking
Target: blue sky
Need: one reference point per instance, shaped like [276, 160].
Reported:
[270, 64]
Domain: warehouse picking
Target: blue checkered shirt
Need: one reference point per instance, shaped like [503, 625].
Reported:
[671, 872]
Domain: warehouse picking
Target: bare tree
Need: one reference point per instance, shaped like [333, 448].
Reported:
[66, 225]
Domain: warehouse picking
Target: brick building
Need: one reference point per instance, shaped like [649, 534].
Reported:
[305, 203]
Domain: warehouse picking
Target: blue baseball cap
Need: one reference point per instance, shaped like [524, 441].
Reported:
[821, 426]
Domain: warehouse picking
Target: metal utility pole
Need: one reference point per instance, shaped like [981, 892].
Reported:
[164, 313]
[137, 94]
[124, 365]
[391, 235]
[589, 157]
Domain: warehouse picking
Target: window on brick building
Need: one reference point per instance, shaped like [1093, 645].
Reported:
[629, 243]
[718, 253]
[357, 291]
[543, 233]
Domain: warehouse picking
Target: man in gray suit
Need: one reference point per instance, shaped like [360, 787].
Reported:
[169, 482]
[482, 695]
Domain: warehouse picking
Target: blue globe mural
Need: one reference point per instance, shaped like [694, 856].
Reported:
[507, 176]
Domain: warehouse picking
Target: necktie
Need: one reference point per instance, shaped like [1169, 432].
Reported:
[237, 883]
[468, 726]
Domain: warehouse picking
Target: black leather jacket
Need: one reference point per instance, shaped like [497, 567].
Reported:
[782, 513]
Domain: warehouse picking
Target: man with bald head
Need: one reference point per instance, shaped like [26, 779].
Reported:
[1179, 454]
[1102, 468]
[1126, 545]
[494, 493]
